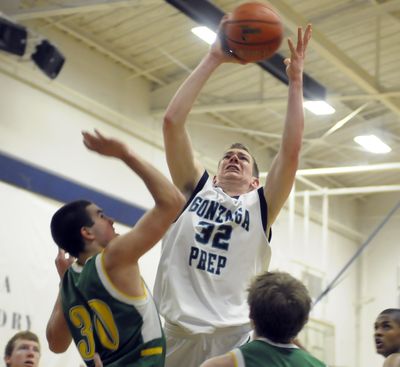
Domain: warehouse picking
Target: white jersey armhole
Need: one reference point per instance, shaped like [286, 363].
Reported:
[237, 357]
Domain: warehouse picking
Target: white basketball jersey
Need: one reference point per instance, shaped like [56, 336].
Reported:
[209, 256]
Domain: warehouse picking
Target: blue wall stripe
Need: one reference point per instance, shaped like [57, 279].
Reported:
[42, 182]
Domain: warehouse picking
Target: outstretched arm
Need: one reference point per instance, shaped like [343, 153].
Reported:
[184, 169]
[283, 170]
[125, 250]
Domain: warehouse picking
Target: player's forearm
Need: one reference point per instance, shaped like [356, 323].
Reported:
[57, 332]
[182, 102]
[294, 123]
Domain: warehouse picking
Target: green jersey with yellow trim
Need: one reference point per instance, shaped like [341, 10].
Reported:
[263, 352]
[125, 331]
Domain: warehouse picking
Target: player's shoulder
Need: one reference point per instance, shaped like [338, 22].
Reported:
[315, 362]
[393, 360]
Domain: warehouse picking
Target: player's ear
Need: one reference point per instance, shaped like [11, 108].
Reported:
[7, 360]
[86, 233]
[214, 180]
[255, 182]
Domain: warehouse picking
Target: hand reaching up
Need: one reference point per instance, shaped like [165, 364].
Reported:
[110, 147]
[63, 262]
[217, 49]
[295, 64]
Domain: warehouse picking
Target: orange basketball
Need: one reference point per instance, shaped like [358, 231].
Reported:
[253, 32]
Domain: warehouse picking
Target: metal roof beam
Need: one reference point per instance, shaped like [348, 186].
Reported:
[349, 169]
[351, 191]
[273, 102]
[71, 7]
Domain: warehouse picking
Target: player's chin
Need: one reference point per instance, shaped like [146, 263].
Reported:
[232, 173]
[380, 349]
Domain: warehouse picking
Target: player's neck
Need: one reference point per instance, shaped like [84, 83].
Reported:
[234, 188]
[90, 251]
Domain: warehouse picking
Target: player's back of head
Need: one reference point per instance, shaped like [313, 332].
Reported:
[66, 225]
[279, 306]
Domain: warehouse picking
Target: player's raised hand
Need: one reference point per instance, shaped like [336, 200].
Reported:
[218, 48]
[295, 64]
[97, 142]
[63, 262]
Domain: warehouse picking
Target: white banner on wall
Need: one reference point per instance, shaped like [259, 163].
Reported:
[28, 278]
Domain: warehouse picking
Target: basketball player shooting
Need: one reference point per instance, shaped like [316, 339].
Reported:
[221, 238]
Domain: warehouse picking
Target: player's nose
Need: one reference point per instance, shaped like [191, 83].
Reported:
[234, 158]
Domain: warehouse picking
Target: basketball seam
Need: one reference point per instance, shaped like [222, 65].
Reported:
[273, 40]
[250, 20]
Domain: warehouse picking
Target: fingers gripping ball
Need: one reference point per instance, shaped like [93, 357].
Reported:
[253, 32]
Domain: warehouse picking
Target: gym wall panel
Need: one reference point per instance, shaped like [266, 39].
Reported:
[380, 271]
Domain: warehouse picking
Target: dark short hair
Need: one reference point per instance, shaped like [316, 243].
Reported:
[23, 335]
[66, 225]
[394, 314]
[256, 172]
[279, 306]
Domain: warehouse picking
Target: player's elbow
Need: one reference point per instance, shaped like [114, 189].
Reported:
[173, 120]
[176, 202]
[168, 122]
[56, 342]
[56, 347]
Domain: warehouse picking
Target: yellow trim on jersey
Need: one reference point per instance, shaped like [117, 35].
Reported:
[116, 289]
[235, 361]
[151, 351]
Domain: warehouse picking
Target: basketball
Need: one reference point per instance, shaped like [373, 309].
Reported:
[253, 32]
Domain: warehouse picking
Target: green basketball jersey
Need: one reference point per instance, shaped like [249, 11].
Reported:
[125, 331]
[263, 353]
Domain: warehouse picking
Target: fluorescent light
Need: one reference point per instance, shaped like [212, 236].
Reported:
[373, 144]
[206, 34]
[319, 107]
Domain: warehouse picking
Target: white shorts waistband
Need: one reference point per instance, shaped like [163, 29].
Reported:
[178, 331]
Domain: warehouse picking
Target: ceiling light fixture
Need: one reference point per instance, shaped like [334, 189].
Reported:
[205, 33]
[373, 144]
[319, 107]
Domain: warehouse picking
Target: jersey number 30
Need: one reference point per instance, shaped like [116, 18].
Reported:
[104, 325]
